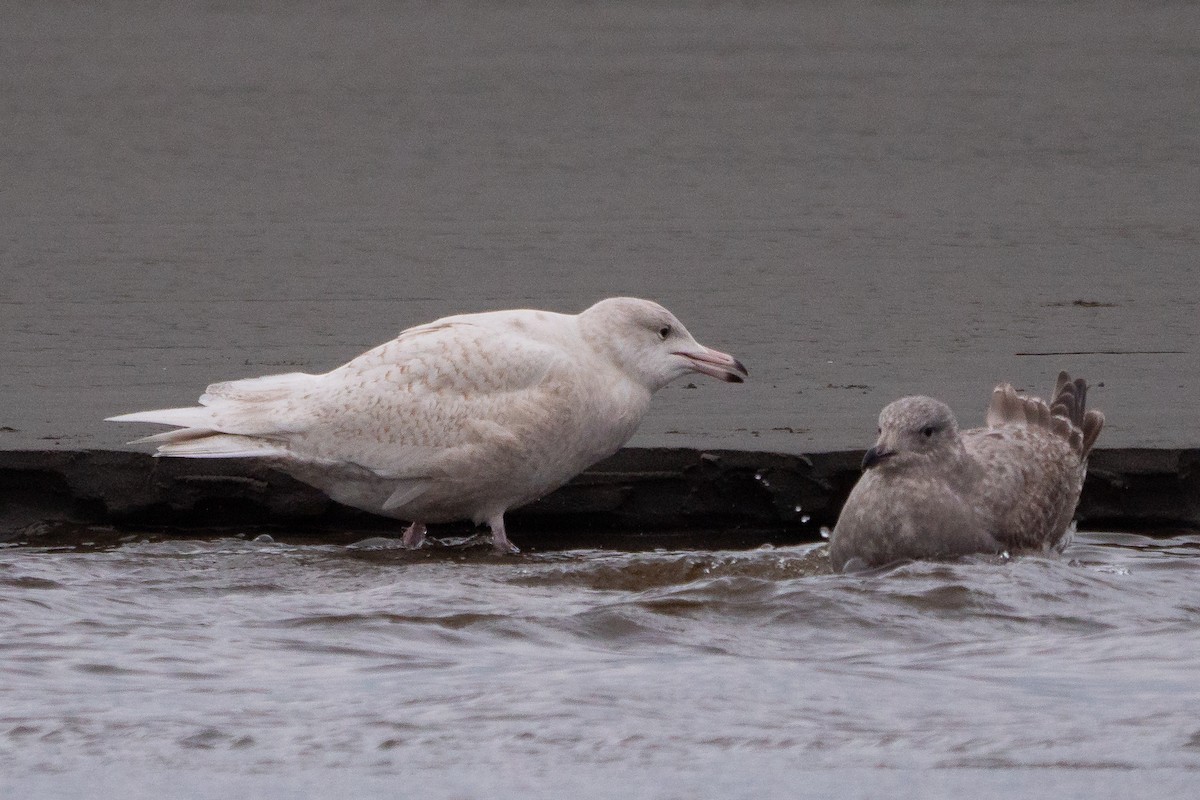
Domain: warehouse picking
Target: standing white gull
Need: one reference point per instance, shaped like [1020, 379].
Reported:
[928, 491]
[462, 418]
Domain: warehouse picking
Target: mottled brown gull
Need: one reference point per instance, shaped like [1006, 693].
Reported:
[462, 418]
[928, 491]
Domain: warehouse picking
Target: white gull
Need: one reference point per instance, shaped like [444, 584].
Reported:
[462, 418]
[928, 491]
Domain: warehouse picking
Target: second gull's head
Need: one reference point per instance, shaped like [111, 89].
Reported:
[913, 429]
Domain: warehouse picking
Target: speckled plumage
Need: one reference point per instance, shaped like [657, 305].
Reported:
[462, 418]
[928, 491]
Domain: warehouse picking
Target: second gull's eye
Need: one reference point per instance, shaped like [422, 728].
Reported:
[664, 332]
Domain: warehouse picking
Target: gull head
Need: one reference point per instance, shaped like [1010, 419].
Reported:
[913, 430]
[648, 342]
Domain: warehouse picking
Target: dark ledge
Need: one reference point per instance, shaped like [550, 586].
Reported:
[639, 497]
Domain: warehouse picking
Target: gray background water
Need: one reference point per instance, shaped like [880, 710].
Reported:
[860, 199]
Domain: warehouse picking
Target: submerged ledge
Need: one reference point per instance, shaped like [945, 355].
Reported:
[638, 497]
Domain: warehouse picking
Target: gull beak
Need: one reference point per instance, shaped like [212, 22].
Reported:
[875, 456]
[715, 363]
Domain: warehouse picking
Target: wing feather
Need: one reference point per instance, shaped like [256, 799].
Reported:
[434, 394]
[409, 409]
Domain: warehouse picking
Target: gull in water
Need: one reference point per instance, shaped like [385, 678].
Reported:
[929, 491]
[462, 418]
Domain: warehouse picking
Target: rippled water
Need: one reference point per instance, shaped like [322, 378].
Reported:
[203, 665]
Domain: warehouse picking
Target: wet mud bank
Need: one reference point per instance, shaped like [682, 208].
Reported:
[638, 498]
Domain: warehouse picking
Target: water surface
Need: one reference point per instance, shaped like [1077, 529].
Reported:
[289, 667]
[860, 199]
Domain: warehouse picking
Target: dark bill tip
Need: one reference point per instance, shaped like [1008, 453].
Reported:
[715, 364]
[875, 456]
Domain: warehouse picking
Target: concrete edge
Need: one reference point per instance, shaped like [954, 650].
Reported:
[718, 497]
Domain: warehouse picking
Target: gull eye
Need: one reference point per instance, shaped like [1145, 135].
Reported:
[927, 431]
[664, 332]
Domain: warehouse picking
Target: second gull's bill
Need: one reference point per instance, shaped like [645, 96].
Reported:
[462, 418]
[928, 491]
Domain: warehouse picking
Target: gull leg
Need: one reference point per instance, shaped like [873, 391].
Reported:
[500, 542]
[414, 535]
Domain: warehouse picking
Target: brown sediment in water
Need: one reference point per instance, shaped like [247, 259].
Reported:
[640, 497]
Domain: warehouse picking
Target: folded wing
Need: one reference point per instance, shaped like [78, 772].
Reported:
[398, 410]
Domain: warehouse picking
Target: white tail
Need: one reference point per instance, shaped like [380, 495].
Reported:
[236, 419]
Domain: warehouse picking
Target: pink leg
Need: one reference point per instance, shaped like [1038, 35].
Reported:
[414, 535]
[500, 542]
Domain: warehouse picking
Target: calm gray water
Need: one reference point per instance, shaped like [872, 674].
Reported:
[860, 199]
[205, 665]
